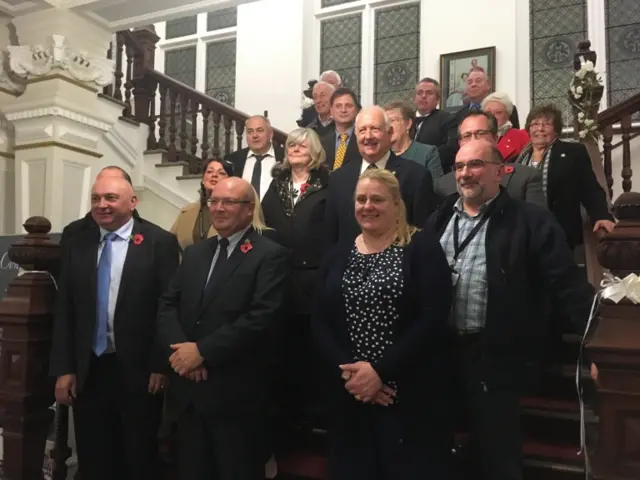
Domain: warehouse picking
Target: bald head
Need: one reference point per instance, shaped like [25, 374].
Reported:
[231, 205]
[112, 201]
[114, 171]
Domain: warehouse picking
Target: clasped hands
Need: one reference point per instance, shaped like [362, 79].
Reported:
[364, 383]
[186, 361]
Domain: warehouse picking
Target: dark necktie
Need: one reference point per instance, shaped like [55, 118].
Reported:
[475, 107]
[257, 173]
[223, 245]
[372, 166]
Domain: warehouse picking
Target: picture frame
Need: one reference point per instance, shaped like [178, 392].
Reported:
[455, 67]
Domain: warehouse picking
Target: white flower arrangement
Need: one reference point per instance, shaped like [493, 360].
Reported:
[306, 102]
[583, 86]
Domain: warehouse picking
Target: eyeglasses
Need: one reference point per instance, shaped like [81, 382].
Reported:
[475, 164]
[225, 202]
[466, 136]
[539, 124]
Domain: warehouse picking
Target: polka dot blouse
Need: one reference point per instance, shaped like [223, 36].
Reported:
[372, 291]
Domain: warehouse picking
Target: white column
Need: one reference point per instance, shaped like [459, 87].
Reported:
[59, 119]
[596, 19]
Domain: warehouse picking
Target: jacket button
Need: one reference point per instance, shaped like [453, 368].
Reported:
[304, 262]
[198, 322]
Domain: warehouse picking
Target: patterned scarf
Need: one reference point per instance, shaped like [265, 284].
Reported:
[504, 129]
[526, 158]
[289, 195]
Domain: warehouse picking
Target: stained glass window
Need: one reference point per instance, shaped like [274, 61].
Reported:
[397, 51]
[333, 3]
[180, 64]
[181, 27]
[341, 49]
[224, 18]
[556, 28]
[221, 71]
[623, 49]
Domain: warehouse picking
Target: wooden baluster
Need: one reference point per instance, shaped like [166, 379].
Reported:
[162, 122]
[195, 167]
[128, 84]
[117, 93]
[607, 137]
[239, 134]
[173, 156]
[626, 153]
[108, 90]
[228, 122]
[205, 134]
[152, 143]
[215, 152]
[61, 451]
[184, 136]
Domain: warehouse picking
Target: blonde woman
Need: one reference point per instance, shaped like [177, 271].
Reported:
[380, 322]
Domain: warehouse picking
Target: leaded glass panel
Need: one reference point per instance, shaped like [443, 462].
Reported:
[333, 3]
[341, 49]
[221, 80]
[224, 18]
[397, 52]
[181, 27]
[623, 49]
[180, 64]
[556, 28]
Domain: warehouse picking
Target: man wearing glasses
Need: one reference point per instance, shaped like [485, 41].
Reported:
[216, 322]
[507, 258]
[520, 183]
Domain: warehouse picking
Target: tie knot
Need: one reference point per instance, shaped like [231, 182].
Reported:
[258, 157]
[344, 136]
[224, 243]
[372, 166]
[109, 237]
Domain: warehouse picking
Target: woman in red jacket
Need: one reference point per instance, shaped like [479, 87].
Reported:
[511, 140]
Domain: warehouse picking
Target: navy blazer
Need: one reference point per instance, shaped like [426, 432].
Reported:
[417, 360]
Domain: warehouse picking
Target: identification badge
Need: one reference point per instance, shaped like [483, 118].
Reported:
[455, 276]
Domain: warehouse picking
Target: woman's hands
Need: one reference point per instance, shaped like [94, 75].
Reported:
[364, 383]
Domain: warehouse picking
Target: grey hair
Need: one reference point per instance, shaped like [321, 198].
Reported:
[499, 97]
[266, 120]
[374, 108]
[331, 87]
[296, 137]
[331, 72]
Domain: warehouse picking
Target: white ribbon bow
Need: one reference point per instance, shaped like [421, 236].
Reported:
[615, 288]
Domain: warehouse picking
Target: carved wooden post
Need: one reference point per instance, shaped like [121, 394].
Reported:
[26, 319]
[615, 348]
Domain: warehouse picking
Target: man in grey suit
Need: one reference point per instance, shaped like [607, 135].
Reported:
[521, 183]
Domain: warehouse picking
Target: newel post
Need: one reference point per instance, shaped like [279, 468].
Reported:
[615, 348]
[26, 321]
[144, 87]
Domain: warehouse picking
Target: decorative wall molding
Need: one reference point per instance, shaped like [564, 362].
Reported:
[81, 140]
[127, 152]
[54, 111]
[27, 61]
[7, 83]
[72, 148]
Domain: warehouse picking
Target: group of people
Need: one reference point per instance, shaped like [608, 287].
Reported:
[371, 269]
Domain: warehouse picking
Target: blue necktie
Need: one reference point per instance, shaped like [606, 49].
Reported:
[475, 107]
[102, 310]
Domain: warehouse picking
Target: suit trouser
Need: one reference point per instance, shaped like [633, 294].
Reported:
[116, 431]
[220, 447]
[492, 414]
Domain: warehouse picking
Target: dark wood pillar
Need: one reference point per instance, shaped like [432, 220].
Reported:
[615, 348]
[26, 320]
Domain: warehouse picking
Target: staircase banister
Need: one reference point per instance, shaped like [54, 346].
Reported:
[615, 113]
[209, 102]
[131, 41]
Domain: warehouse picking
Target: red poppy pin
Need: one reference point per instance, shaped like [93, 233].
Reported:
[509, 169]
[303, 188]
[246, 246]
[137, 239]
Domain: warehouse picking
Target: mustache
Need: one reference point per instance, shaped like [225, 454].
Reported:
[369, 142]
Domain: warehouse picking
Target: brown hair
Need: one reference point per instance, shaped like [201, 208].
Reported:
[546, 111]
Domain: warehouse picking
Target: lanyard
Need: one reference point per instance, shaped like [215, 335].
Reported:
[459, 247]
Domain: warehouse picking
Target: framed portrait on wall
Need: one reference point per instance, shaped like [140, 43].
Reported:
[454, 70]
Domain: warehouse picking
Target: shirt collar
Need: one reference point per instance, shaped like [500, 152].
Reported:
[459, 209]
[270, 153]
[381, 164]
[234, 238]
[348, 132]
[124, 232]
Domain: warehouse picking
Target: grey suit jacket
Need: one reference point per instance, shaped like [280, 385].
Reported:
[524, 183]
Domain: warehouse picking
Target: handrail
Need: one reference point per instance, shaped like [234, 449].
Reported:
[207, 101]
[615, 113]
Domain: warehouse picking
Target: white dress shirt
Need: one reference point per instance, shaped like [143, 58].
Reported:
[268, 163]
[119, 248]
[382, 163]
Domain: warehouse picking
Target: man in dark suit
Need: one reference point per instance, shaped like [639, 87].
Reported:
[341, 145]
[373, 131]
[104, 353]
[433, 126]
[254, 163]
[521, 183]
[217, 323]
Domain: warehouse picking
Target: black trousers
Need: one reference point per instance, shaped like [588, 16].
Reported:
[220, 448]
[116, 431]
[491, 414]
[373, 443]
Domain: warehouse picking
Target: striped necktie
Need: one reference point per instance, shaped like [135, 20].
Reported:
[342, 149]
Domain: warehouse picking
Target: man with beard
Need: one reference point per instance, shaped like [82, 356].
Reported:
[373, 132]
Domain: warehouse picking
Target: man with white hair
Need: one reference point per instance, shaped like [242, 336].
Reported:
[332, 77]
[373, 132]
[323, 123]
[309, 114]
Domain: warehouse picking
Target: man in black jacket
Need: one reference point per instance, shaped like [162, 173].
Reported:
[506, 256]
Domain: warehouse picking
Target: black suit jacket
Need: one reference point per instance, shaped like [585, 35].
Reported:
[416, 185]
[329, 145]
[571, 182]
[302, 232]
[233, 325]
[440, 129]
[239, 158]
[147, 270]
[85, 223]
